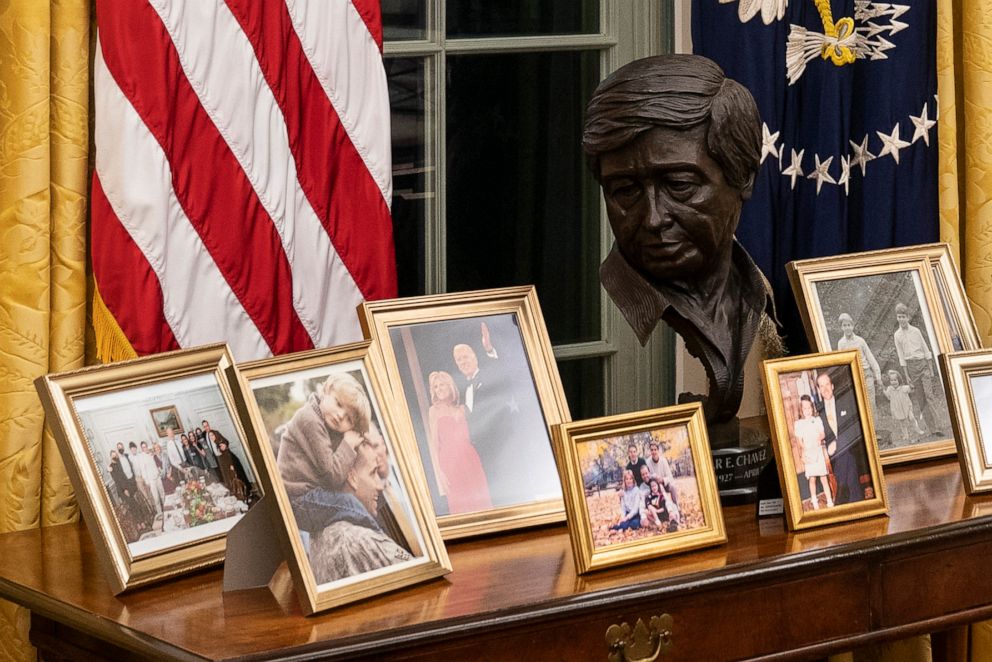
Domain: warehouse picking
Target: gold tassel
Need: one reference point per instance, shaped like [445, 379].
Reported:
[111, 343]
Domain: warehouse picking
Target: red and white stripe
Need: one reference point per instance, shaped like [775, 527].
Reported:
[242, 179]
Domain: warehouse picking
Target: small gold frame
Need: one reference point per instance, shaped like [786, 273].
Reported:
[567, 439]
[61, 394]
[430, 559]
[959, 369]
[520, 304]
[874, 504]
[923, 261]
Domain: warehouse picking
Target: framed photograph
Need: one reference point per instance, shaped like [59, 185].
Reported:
[886, 305]
[968, 380]
[165, 418]
[338, 457]
[824, 439]
[158, 493]
[638, 486]
[476, 372]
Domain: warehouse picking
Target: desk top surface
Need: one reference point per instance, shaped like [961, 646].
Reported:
[496, 580]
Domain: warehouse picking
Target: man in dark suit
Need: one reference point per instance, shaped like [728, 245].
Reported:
[504, 418]
[844, 437]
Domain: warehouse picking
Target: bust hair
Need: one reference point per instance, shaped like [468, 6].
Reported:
[676, 92]
[352, 397]
[901, 309]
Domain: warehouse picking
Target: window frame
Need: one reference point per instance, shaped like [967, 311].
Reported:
[635, 378]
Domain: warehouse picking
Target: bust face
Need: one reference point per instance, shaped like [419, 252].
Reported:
[672, 212]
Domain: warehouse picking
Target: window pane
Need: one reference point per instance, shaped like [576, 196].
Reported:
[583, 382]
[404, 19]
[485, 18]
[522, 207]
[413, 176]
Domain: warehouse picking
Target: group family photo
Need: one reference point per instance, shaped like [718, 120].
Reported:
[886, 318]
[172, 461]
[476, 413]
[640, 485]
[338, 470]
[826, 437]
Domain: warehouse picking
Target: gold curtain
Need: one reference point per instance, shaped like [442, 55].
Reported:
[964, 85]
[964, 90]
[44, 106]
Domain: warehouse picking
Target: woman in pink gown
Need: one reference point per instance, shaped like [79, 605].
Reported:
[459, 472]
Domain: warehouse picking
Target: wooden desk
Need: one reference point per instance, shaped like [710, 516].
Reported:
[517, 597]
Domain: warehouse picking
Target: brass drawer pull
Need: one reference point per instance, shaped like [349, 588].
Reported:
[642, 643]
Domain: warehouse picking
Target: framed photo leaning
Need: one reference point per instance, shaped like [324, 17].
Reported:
[886, 305]
[968, 380]
[338, 458]
[157, 500]
[824, 439]
[638, 486]
[477, 374]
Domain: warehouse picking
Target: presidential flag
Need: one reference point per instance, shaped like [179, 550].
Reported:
[243, 175]
[847, 95]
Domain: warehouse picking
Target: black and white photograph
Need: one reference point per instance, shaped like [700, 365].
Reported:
[476, 413]
[177, 476]
[886, 317]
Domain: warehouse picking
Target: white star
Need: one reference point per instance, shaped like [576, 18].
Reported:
[845, 173]
[861, 154]
[795, 168]
[768, 141]
[891, 144]
[821, 173]
[922, 124]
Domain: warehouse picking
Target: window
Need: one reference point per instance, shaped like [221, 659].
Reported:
[490, 185]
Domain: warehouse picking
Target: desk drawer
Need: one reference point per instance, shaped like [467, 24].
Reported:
[747, 621]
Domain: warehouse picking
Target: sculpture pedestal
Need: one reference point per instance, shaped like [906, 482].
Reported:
[741, 450]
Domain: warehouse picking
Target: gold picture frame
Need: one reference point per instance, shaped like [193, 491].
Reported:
[830, 441]
[337, 456]
[866, 289]
[493, 434]
[164, 418]
[679, 510]
[162, 520]
[968, 380]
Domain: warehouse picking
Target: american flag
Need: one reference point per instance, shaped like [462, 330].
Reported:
[242, 182]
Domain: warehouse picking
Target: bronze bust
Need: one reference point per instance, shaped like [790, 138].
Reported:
[675, 146]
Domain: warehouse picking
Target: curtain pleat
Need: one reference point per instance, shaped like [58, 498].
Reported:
[44, 137]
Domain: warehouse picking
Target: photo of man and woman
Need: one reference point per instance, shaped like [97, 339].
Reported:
[826, 437]
[476, 413]
[640, 485]
[886, 318]
[171, 459]
[338, 470]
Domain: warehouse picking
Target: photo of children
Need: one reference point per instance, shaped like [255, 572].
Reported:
[826, 437]
[640, 485]
[886, 318]
[338, 471]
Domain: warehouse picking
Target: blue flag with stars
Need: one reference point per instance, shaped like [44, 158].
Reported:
[846, 90]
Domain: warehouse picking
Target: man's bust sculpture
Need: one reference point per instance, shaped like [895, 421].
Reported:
[675, 146]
